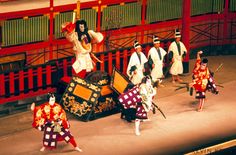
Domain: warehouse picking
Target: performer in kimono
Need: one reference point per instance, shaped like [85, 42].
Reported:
[157, 54]
[81, 38]
[135, 67]
[138, 99]
[202, 80]
[128, 100]
[176, 52]
[51, 118]
[147, 93]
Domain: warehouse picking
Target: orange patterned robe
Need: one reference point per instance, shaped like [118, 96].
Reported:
[52, 120]
[200, 77]
[202, 81]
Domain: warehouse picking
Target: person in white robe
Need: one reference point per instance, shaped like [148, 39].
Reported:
[135, 67]
[176, 52]
[78, 34]
[157, 54]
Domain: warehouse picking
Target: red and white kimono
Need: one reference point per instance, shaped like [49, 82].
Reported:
[52, 120]
[202, 80]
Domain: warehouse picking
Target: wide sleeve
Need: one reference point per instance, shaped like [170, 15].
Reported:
[97, 36]
[39, 119]
[130, 65]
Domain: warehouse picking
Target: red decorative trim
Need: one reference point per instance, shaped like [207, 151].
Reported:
[17, 49]
[21, 14]
[109, 2]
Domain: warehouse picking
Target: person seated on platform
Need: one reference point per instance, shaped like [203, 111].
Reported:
[51, 118]
[81, 38]
[176, 53]
[202, 80]
[135, 67]
[157, 54]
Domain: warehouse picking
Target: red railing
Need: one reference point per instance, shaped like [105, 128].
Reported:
[28, 82]
[40, 79]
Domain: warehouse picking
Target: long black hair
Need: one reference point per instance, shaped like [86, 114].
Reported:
[77, 29]
[50, 94]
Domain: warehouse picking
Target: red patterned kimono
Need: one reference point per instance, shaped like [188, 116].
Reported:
[202, 80]
[52, 120]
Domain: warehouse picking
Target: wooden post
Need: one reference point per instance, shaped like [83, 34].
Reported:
[186, 24]
[144, 6]
[51, 31]
[186, 14]
[78, 9]
[226, 12]
[2, 85]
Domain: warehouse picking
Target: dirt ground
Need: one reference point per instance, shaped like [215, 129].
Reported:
[184, 130]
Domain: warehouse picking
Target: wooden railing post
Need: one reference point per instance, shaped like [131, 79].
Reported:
[118, 59]
[40, 76]
[12, 82]
[51, 31]
[2, 85]
[186, 14]
[64, 67]
[225, 31]
[125, 61]
[110, 63]
[48, 75]
[30, 79]
[21, 81]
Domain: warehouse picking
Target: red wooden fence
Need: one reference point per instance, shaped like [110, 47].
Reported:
[41, 79]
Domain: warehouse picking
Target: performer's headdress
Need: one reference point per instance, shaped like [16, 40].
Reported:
[77, 29]
[50, 94]
[145, 78]
[82, 22]
[177, 33]
[204, 61]
[136, 44]
[156, 39]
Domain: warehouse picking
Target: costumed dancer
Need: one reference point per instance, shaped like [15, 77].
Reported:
[176, 53]
[202, 80]
[157, 54]
[147, 93]
[135, 67]
[51, 118]
[81, 38]
[138, 101]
